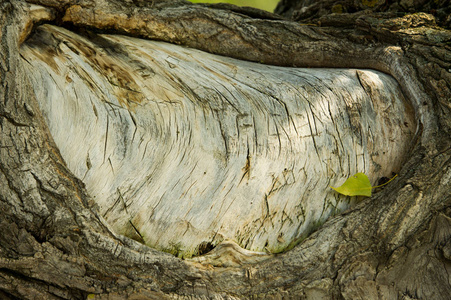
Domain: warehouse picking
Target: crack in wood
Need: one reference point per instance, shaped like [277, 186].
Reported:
[237, 118]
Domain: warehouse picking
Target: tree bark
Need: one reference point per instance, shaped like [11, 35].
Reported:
[54, 244]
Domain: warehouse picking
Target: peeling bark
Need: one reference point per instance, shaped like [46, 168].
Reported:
[394, 245]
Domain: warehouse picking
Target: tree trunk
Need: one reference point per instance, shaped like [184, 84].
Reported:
[105, 137]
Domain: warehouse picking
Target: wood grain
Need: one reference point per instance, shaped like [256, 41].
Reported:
[180, 147]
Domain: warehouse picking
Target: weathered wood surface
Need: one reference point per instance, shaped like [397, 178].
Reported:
[395, 245]
[182, 149]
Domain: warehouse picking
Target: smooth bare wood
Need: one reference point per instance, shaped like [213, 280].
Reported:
[181, 148]
[394, 245]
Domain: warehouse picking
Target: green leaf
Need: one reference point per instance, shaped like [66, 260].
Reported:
[357, 185]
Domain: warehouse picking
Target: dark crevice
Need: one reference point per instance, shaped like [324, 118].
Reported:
[251, 12]
[12, 121]
[204, 248]
[4, 295]
[38, 285]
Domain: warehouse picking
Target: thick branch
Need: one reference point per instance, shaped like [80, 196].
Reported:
[378, 238]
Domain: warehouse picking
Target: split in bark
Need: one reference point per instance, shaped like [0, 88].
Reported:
[53, 244]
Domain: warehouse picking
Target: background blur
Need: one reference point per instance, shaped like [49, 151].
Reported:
[268, 5]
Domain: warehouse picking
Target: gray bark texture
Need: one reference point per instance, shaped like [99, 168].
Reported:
[395, 245]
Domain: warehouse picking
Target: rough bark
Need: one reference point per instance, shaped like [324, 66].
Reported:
[394, 245]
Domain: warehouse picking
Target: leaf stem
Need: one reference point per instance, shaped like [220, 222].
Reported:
[385, 183]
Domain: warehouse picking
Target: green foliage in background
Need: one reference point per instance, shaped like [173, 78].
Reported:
[268, 5]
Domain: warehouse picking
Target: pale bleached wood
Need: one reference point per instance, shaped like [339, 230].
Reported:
[395, 244]
[181, 148]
